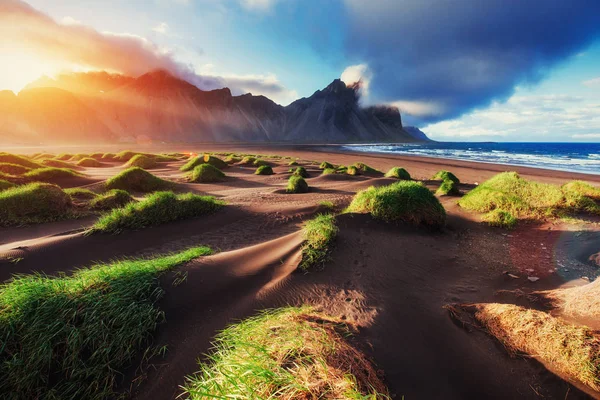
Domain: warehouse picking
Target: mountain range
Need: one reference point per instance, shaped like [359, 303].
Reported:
[159, 107]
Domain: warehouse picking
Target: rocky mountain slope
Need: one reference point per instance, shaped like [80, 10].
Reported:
[160, 107]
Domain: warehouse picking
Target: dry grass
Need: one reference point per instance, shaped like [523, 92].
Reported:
[580, 301]
[569, 350]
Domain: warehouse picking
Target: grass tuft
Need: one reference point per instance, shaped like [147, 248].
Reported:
[398, 173]
[206, 173]
[352, 170]
[288, 353]
[156, 209]
[403, 201]
[445, 175]
[364, 168]
[330, 171]
[296, 184]
[326, 165]
[78, 156]
[109, 156]
[63, 157]
[72, 337]
[448, 188]
[135, 179]
[264, 170]
[6, 185]
[293, 163]
[13, 169]
[248, 160]
[232, 159]
[89, 162]
[56, 164]
[142, 161]
[33, 203]
[49, 174]
[319, 234]
[80, 194]
[114, 198]
[19, 160]
[301, 171]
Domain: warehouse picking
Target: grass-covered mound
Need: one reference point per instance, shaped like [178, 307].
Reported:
[232, 159]
[33, 203]
[97, 156]
[398, 173]
[114, 198]
[79, 156]
[581, 188]
[248, 160]
[264, 170]
[142, 161]
[63, 156]
[326, 165]
[125, 155]
[352, 170]
[444, 176]
[13, 169]
[215, 161]
[89, 162]
[206, 173]
[292, 163]
[572, 351]
[6, 185]
[192, 163]
[50, 174]
[56, 163]
[507, 196]
[109, 156]
[259, 162]
[289, 353]
[156, 209]
[19, 160]
[135, 179]
[403, 201]
[365, 169]
[42, 156]
[296, 184]
[329, 171]
[448, 188]
[80, 194]
[319, 234]
[72, 337]
[301, 171]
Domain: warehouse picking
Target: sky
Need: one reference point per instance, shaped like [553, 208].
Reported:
[461, 70]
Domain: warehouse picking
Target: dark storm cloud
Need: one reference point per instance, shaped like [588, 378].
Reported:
[460, 54]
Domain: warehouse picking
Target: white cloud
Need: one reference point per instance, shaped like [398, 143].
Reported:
[267, 85]
[419, 108]
[356, 73]
[162, 28]
[68, 20]
[586, 136]
[592, 82]
[258, 5]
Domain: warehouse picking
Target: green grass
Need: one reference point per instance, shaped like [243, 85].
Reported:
[6, 185]
[364, 168]
[398, 173]
[206, 173]
[329, 171]
[48, 174]
[296, 184]
[247, 160]
[264, 170]
[215, 161]
[63, 157]
[158, 208]
[33, 203]
[448, 188]
[445, 175]
[125, 155]
[72, 337]
[97, 156]
[528, 200]
[301, 171]
[80, 194]
[13, 169]
[260, 162]
[352, 170]
[500, 218]
[109, 156]
[19, 160]
[232, 159]
[114, 198]
[287, 353]
[292, 163]
[402, 201]
[192, 163]
[79, 156]
[56, 164]
[327, 205]
[89, 162]
[142, 161]
[326, 165]
[42, 156]
[319, 234]
[135, 179]
[205, 159]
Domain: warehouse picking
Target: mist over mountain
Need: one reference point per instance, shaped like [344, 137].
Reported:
[159, 107]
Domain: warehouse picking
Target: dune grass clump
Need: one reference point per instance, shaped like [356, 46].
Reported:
[326, 165]
[42, 156]
[56, 163]
[403, 201]
[572, 351]
[296, 184]
[125, 155]
[192, 163]
[527, 200]
[260, 162]
[156, 209]
[114, 198]
[80, 194]
[33, 203]
[327, 205]
[63, 156]
[215, 161]
[364, 168]
[6, 185]
[248, 160]
[398, 173]
[232, 159]
[581, 188]
[319, 234]
[448, 188]
[141, 161]
[352, 170]
[329, 171]
[292, 163]
[79, 156]
[444, 176]
[97, 156]
[109, 156]
[264, 170]
[135, 179]
[301, 171]
[287, 353]
[19, 160]
[89, 162]
[13, 169]
[73, 336]
[206, 173]
[49, 174]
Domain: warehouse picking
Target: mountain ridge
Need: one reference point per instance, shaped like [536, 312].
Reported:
[159, 107]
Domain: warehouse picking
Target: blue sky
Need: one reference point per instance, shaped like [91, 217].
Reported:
[503, 70]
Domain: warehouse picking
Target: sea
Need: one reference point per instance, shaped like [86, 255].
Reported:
[572, 157]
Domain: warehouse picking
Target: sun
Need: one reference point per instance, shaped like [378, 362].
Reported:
[21, 68]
